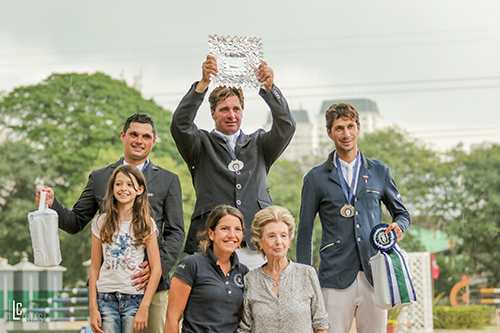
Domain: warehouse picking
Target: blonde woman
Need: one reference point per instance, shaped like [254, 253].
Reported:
[281, 295]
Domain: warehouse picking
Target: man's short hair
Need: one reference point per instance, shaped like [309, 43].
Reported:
[340, 110]
[139, 118]
[219, 94]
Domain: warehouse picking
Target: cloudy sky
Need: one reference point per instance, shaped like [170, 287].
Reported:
[432, 66]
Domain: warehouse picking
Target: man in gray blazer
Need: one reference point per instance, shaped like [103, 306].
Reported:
[228, 166]
[165, 198]
[346, 192]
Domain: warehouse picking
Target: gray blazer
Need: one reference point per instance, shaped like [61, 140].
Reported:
[165, 198]
[345, 242]
[207, 157]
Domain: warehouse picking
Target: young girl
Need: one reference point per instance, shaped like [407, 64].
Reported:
[119, 236]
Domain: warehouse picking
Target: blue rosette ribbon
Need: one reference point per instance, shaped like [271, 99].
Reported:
[398, 275]
[380, 240]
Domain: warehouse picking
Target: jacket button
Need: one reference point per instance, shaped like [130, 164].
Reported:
[359, 239]
[238, 202]
[238, 186]
[357, 225]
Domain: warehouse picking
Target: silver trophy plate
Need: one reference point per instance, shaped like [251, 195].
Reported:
[237, 61]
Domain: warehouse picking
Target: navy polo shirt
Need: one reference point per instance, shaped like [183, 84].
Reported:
[215, 299]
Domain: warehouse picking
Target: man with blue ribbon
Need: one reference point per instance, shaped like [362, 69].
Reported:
[346, 191]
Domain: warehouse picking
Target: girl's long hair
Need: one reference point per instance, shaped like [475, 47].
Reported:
[141, 219]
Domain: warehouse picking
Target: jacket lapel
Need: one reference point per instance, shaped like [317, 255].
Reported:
[220, 141]
[242, 141]
[334, 174]
[150, 173]
[117, 164]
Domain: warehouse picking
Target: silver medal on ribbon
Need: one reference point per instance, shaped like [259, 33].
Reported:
[235, 165]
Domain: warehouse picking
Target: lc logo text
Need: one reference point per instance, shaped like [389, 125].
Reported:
[17, 310]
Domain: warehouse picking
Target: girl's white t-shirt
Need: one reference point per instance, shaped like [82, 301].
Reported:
[120, 259]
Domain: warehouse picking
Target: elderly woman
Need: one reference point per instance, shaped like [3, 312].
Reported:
[207, 287]
[280, 296]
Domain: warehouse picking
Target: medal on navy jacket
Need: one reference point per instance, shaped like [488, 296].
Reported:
[348, 210]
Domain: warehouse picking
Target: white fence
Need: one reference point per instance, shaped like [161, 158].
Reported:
[417, 318]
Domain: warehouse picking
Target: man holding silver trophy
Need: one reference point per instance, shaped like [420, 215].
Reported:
[228, 166]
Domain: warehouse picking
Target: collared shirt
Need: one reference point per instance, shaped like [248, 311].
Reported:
[141, 166]
[348, 170]
[220, 296]
[230, 139]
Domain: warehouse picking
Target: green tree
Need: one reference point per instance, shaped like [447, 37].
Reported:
[69, 117]
[58, 131]
[474, 207]
[18, 171]
[423, 176]
[285, 186]
[414, 167]
[452, 267]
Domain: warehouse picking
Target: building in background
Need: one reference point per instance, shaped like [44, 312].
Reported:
[303, 140]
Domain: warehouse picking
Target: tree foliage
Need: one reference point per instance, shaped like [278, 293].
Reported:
[18, 171]
[285, 184]
[69, 117]
[57, 132]
[414, 167]
[474, 220]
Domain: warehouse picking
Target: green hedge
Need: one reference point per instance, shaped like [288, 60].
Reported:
[466, 316]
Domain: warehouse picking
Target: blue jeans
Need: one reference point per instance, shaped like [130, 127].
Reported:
[118, 311]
